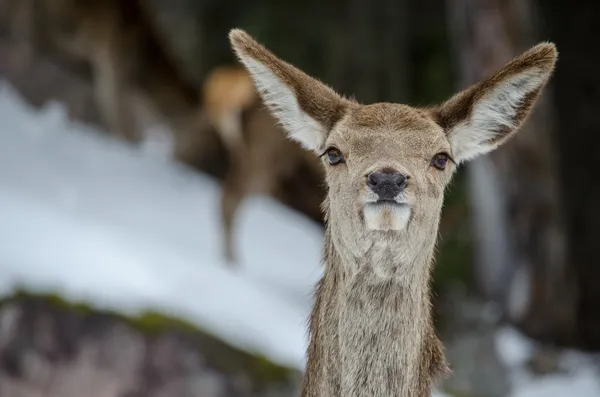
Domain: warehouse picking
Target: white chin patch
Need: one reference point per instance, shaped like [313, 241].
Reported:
[386, 216]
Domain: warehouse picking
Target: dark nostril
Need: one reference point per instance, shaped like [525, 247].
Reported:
[373, 179]
[399, 179]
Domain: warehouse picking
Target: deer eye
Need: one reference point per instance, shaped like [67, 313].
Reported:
[440, 160]
[334, 156]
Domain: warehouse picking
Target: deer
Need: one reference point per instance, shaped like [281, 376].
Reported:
[387, 165]
[135, 79]
[260, 157]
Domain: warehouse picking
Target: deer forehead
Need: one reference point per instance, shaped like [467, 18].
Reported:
[388, 131]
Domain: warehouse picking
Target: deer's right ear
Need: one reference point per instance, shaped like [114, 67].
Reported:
[306, 108]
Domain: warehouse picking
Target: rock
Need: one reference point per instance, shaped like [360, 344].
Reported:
[51, 348]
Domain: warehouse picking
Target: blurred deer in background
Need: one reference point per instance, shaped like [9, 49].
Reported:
[136, 80]
[261, 158]
[387, 167]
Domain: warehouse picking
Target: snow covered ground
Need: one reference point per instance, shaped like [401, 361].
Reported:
[128, 229]
[579, 375]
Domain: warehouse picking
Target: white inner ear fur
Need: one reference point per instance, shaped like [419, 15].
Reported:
[282, 101]
[493, 113]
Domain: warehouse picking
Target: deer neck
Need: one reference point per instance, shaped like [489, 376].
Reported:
[371, 328]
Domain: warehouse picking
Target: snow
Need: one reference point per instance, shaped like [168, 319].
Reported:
[128, 230]
[579, 375]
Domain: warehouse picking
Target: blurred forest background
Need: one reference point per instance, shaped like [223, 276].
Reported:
[518, 240]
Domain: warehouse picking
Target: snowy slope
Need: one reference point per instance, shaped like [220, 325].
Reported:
[130, 230]
[127, 230]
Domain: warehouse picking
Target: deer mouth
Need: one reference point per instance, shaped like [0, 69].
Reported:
[386, 215]
[387, 202]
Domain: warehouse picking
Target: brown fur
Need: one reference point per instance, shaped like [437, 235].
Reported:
[260, 156]
[459, 107]
[371, 332]
[328, 111]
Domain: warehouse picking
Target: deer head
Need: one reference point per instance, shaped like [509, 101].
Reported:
[387, 165]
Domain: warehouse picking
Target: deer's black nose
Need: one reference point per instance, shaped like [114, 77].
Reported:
[387, 183]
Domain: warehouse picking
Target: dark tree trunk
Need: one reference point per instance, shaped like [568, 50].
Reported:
[574, 29]
[367, 50]
[516, 210]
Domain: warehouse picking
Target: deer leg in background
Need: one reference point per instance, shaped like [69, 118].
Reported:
[233, 192]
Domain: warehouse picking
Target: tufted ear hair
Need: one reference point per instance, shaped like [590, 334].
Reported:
[485, 115]
[306, 107]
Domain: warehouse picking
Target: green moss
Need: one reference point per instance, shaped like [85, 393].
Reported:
[55, 300]
[217, 353]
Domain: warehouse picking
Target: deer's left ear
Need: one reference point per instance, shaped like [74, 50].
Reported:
[482, 117]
